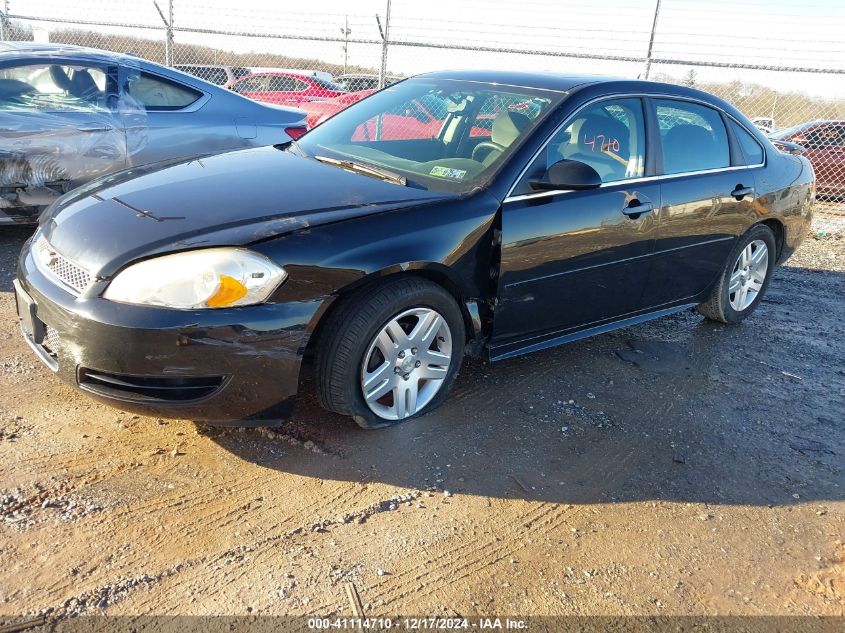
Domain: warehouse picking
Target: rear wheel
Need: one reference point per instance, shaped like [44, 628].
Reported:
[390, 354]
[745, 278]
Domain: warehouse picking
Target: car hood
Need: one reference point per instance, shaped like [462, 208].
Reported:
[227, 199]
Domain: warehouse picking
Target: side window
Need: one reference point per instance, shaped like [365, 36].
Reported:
[694, 137]
[252, 84]
[751, 150]
[280, 83]
[156, 93]
[609, 136]
[55, 88]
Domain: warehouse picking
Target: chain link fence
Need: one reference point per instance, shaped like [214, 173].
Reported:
[780, 62]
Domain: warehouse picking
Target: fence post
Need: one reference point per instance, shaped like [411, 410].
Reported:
[384, 44]
[651, 40]
[168, 47]
[346, 33]
[168, 31]
[4, 25]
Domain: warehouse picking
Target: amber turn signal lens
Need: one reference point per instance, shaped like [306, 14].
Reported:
[230, 290]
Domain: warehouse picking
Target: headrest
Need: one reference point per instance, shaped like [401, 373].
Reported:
[689, 147]
[600, 132]
[59, 77]
[686, 134]
[83, 84]
[507, 126]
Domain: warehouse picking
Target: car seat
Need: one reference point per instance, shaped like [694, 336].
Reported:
[507, 126]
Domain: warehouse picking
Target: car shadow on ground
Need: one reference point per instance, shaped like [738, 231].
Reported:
[678, 409]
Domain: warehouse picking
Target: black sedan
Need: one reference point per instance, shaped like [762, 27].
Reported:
[541, 209]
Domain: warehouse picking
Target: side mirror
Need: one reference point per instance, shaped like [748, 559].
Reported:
[567, 174]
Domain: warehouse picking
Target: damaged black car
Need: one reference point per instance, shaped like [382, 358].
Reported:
[535, 210]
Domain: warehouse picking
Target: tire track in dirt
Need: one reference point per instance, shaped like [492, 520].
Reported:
[544, 519]
[207, 562]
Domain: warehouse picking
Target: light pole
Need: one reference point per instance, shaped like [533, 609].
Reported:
[346, 33]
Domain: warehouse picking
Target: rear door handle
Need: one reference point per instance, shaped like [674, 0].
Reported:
[635, 208]
[740, 192]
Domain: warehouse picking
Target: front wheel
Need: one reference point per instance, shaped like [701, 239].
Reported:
[391, 354]
[745, 279]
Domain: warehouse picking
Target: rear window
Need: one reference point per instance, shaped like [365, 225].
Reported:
[694, 137]
[156, 93]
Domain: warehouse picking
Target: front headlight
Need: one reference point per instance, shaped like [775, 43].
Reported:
[209, 278]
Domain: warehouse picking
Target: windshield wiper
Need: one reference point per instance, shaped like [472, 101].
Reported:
[366, 169]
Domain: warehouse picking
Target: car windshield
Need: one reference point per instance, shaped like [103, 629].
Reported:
[439, 134]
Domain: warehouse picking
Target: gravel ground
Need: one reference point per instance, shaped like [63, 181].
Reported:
[679, 467]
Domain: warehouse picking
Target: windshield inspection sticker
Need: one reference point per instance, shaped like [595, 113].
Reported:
[447, 172]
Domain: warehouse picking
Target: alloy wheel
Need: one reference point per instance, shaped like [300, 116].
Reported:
[406, 363]
[748, 275]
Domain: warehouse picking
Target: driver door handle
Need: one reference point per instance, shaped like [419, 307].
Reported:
[635, 208]
[740, 192]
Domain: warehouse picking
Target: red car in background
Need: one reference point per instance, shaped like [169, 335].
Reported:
[319, 111]
[286, 88]
[418, 119]
[824, 145]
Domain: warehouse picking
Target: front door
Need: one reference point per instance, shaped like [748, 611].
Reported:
[575, 259]
[57, 127]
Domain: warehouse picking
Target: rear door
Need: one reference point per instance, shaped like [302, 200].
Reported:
[707, 196]
[168, 119]
[576, 259]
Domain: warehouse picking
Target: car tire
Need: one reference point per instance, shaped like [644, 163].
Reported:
[362, 348]
[743, 281]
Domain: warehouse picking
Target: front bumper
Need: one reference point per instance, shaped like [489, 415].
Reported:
[229, 366]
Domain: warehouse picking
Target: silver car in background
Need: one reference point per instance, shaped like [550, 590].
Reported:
[70, 114]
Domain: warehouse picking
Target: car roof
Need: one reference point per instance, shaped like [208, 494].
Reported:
[12, 50]
[567, 82]
[277, 73]
[544, 80]
[200, 66]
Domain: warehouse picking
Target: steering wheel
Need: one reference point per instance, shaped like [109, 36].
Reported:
[485, 145]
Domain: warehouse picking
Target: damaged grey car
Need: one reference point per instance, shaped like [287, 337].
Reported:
[70, 114]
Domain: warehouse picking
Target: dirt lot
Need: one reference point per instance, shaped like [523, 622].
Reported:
[679, 467]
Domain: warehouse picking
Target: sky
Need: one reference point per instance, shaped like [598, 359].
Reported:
[806, 33]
